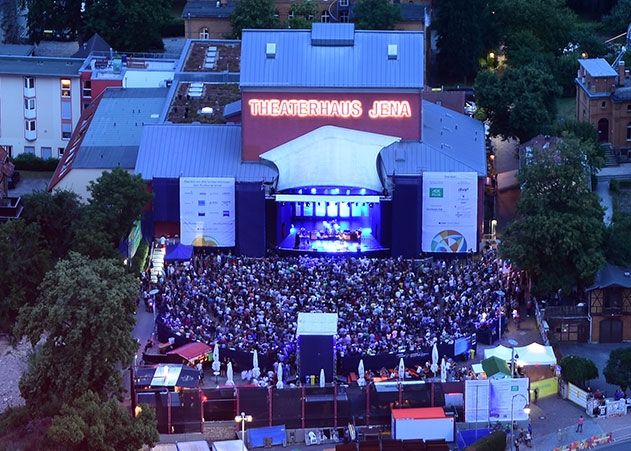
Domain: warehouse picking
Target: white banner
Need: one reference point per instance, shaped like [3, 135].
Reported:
[507, 399]
[207, 212]
[450, 212]
[476, 404]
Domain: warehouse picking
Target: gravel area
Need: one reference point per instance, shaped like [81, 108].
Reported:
[13, 362]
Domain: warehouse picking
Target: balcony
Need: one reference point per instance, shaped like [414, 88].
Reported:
[29, 113]
[29, 92]
[30, 135]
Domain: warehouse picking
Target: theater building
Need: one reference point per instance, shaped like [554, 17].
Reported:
[325, 146]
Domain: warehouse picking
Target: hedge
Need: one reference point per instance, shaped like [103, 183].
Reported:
[139, 261]
[30, 162]
[492, 442]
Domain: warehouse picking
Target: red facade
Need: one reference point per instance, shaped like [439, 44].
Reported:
[263, 131]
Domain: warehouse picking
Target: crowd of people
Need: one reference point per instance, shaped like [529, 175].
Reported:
[383, 305]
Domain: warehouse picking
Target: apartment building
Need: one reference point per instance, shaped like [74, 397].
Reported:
[39, 104]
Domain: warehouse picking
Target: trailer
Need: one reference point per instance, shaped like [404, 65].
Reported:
[429, 423]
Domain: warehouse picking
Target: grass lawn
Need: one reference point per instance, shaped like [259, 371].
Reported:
[566, 109]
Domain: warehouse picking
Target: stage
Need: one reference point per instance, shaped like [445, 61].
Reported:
[367, 245]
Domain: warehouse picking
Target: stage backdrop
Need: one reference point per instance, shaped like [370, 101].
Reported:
[207, 211]
[450, 212]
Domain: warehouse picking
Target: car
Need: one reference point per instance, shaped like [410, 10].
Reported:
[14, 179]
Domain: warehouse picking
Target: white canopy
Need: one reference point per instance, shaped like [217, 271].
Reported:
[330, 156]
[317, 324]
[533, 354]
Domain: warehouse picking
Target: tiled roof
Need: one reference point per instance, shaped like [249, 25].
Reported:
[301, 60]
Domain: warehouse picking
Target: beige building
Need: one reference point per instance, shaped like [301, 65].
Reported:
[39, 104]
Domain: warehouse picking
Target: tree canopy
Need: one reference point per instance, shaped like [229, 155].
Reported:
[86, 309]
[57, 214]
[91, 423]
[118, 198]
[25, 260]
[578, 370]
[129, 25]
[376, 14]
[253, 14]
[557, 236]
[304, 14]
[519, 102]
[618, 368]
[617, 242]
[619, 18]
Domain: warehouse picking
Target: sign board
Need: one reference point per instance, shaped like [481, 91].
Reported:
[577, 395]
[507, 399]
[317, 324]
[450, 212]
[476, 404]
[134, 238]
[207, 211]
[347, 109]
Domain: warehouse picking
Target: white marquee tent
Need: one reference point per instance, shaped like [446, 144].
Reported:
[533, 354]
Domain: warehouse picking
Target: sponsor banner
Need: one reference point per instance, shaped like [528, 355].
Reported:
[476, 405]
[207, 211]
[450, 212]
[507, 400]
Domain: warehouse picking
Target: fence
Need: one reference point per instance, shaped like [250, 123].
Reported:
[295, 407]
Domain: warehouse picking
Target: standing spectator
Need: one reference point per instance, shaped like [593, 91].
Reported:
[579, 424]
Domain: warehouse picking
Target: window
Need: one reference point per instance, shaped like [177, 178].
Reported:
[29, 82]
[86, 106]
[87, 88]
[343, 2]
[629, 131]
[47, 152]
[65, 87]
[603, 104]
[66, 110]
[9, 150]
[344, 16]
[325, 16]
[29, 149]
[60, 150]
[66, 130]
[29, 125]
[291, 14]
[29, 104]
[204, 34]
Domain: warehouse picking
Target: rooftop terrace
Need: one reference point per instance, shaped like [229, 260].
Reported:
[213, 56]
[201, 102]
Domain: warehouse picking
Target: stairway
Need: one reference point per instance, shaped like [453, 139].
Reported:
[610, 155]
[157, 263]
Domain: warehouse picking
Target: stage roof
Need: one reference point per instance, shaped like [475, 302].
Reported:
[330, 156]
[332, 55]
[317, 324]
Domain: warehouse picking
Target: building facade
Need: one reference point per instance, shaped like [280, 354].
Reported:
[603, 99]
[39, 104]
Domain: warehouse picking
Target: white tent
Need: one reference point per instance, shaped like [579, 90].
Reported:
[361, 381]
[434, 366]
[256, 371]
[533, 354]
[322, 379]
[279, 373]
[230, 375]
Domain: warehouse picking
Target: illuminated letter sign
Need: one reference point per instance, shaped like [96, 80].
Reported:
[328, 108]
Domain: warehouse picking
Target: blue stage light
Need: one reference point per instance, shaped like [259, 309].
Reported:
[300, 191]
[362, 191]
[335, 191]
[348, 191]
[313, 190]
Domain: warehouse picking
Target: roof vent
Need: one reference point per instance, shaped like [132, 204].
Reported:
[206, 111]
[270, 50]
[155, 116]
[393, 51]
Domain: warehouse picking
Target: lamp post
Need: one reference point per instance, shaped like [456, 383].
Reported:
[512, 427]
[243, 418]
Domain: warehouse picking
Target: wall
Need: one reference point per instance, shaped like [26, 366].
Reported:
[218, 28]
[77, 181]
[626, 327]
[47, 110]
[99, 85]
[250, 211]
[261, 134]
[406, 217]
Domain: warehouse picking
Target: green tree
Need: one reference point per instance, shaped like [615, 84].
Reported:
[618, 19]
[618, 368]
[617, 240]
[118, 198]
[63, 17]
[578, 370]
[91, 423]
[304, 14]
[253, 14]
[92, 238]
[57, 214]
[9, 21]
[129, 25]
[376, 14]
[557, 236]
[86, 309]
[466, 30]
[25, 260]
[519, 102]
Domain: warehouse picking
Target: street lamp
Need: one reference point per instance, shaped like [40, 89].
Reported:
[243, 418]
[512, 426]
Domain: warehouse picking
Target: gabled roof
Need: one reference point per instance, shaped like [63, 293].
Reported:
[95, 44]
[207, 8]
[612, 276]
[324, 58]
[40, 66]
[185, 150]
[16, 49]
[597, 67]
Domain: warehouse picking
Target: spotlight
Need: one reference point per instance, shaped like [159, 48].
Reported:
[362, 191]
[313, 190]
[371, 205]
[283, 204]
[300, 191]
[348, 191]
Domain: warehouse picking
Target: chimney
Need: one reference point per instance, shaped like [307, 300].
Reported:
[621, 73]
